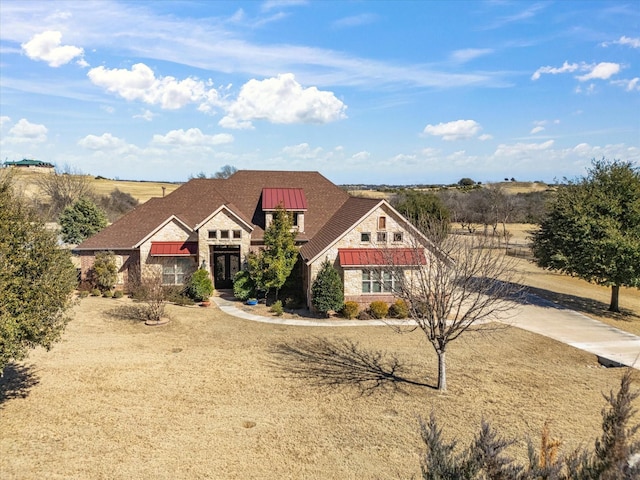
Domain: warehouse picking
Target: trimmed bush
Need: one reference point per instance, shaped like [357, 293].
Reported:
[276, 308]
[95, 292]
[364, 315]
[199, 287]
[107, 294]
[399, 309]
[104, 273]
[350, 310]
[243, 286]
[379, 309]
[118, 294]
[83, 293]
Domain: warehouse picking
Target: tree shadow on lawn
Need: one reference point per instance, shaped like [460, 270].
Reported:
[580, 304]
[540, 297]
[342, 363]
[17, 381]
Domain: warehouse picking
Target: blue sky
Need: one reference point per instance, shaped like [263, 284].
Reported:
[364, 92]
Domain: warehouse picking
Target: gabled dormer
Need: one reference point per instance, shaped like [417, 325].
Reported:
[291, 199]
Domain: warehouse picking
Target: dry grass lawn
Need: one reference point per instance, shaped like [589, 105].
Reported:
[211, 396]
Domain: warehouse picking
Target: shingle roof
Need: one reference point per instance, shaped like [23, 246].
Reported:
[241, 193]
[345, 217]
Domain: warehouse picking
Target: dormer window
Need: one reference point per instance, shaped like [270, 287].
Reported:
[292, 200]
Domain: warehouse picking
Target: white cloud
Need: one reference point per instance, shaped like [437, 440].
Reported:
[537, 129]
[355, 20]
[624, 40]
[629, 85]
[590, 90]
[140, 83]
[361, 155]
[566, 67]
[457, 130]
[463, 56]
[106, 141]
[282, 100]
[302, 151]
[271, 4]
[145, 115]
[4, 120]
[521, 149]
[27, 132]
[484, 137]
[601, 71]
[191, 137]
[46, 46]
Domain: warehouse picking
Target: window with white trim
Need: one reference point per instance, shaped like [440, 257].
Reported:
[397, 236]
[224, 234]
[382, 223]
[213, 234]
[237, 234]
[382, 237]
[378, 281]
[365, 237]
[176, 269]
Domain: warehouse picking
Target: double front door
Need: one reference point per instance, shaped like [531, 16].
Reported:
[225, 261]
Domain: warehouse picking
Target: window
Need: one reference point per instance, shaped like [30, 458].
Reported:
[397, 236]
[213, 234]
[382, 237]
[382, 223]
[237, 234]
[365, 237]
[175, 270]
[224, 234]
[378, 281]
[295, 219]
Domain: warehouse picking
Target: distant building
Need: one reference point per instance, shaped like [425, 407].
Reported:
[32, 164]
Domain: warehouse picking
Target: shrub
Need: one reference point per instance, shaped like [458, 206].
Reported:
[399, 309]
[364, 315]
[199, 287]
[118, 294]
[95, 292]
[379, 309]
[276, 308]
[243, 286]
[105, 272]
[83, 293]
[327, 291]
[293, 303]
[107, 294]
[350, 310]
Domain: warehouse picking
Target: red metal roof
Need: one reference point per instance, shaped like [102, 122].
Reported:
[352, 257]
[287, 198]
[174, 249]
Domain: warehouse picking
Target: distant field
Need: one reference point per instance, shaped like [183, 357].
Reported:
[142, 191]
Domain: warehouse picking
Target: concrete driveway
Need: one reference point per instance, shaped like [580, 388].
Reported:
[613, 346]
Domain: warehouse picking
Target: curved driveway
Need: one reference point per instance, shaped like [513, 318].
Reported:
[538, 316]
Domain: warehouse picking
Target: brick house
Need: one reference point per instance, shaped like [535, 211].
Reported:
[214, 223]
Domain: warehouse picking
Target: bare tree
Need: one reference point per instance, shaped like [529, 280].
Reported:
[64, 187]
[466, 283]
[225, 171]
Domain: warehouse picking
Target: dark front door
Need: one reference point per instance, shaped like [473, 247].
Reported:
[225, 261]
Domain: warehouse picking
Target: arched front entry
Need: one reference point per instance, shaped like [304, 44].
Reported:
[225, 262]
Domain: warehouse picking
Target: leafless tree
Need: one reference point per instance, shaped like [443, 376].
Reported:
[465, 284]
[64, 187]
[148, 288]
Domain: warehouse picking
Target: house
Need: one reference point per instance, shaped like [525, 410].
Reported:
[214, 223]
[31, 164]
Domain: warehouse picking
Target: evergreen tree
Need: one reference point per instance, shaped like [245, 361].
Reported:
[327, 290]
[81, 220]
[36, 279]
[592, 230]
[280, 253]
